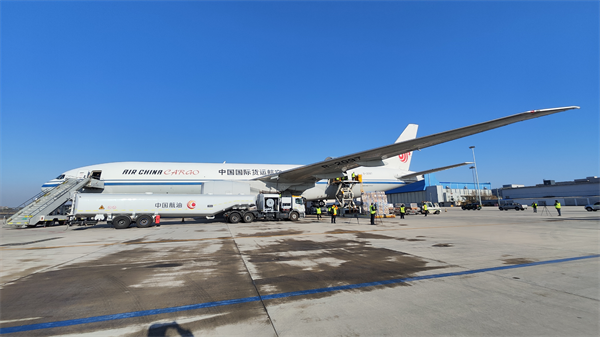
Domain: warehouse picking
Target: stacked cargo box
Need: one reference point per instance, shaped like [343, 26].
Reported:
[377, 198]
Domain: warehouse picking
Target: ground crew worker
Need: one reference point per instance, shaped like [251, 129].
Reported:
[373, 210]
[353, 176]
[557, 205]
[318, 213]
[425, 208]
[402, 211]
[333, 213]
[534, 205]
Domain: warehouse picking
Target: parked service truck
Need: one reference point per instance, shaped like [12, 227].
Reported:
[146, 209]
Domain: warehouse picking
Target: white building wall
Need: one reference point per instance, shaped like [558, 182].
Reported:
[437, 194]
[406, 198]
[553, 191]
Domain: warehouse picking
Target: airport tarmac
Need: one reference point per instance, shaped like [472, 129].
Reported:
[470, 273]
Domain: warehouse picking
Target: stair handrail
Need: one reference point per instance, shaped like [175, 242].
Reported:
[30, 202]
[73, 182]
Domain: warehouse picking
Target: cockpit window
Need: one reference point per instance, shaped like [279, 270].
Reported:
[62, 176]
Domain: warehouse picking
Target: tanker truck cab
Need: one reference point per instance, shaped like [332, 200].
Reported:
[269, 206]
[295, 203]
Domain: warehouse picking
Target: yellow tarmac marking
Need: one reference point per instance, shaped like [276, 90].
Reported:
[248, 237]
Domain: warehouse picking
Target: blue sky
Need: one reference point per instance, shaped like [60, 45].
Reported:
[295, 82]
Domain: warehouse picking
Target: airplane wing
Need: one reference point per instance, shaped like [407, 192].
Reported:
[331, 168]
[415, 174]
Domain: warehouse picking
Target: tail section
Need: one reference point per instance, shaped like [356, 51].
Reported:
[402, 161]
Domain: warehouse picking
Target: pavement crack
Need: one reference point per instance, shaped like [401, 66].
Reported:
[262, 302]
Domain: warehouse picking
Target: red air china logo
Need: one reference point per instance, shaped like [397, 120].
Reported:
[191, 204]
[404, 157]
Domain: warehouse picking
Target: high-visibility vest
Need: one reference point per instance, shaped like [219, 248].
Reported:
[318, 210]
[373, 209]
[353, 175]
[334, 210]
[424, 207]
[402, 209]
[557, 205]
[534, 205]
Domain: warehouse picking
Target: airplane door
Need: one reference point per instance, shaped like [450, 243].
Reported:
[96, 174]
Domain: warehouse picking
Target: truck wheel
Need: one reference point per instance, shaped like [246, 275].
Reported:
[500, 208]
[121, 222]
[516, 208]
[144, 221]
[437, 212]
[589, 209]
[234, 218]
[248, 217]
[294, 216]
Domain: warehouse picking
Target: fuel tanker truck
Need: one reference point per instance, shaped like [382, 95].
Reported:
[145, 210]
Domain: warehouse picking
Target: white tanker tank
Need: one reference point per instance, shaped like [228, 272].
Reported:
[146, 209]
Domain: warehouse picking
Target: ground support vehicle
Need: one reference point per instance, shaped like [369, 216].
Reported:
[145, 210]
[472, 206]
[409, 208]
[267, 207]
[432, 208]
[593, 207]
[51, 206]
[512, 205]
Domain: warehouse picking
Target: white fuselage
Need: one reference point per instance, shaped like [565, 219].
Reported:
[189, 178]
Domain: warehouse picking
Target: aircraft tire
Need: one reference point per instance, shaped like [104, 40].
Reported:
[144, 221]
[248, 217]
[235, 217]
[121, 222]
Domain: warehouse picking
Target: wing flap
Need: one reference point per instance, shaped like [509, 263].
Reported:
[415, 174]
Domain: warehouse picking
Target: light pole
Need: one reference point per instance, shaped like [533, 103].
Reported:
[476, 175]
[473, 175]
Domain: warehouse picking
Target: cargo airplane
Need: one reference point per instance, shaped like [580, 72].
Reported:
[382, 169]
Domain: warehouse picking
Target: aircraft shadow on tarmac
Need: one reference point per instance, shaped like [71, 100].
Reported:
[161, 329]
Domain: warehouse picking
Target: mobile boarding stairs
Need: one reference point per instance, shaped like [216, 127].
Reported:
[49, 207]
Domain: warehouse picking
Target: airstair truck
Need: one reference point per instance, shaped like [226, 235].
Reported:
[146, 209]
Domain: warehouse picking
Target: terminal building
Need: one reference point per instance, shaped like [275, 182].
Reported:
[444, 193]
[579, 192]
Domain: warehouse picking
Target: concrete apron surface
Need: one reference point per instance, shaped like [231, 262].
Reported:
[474, 273]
